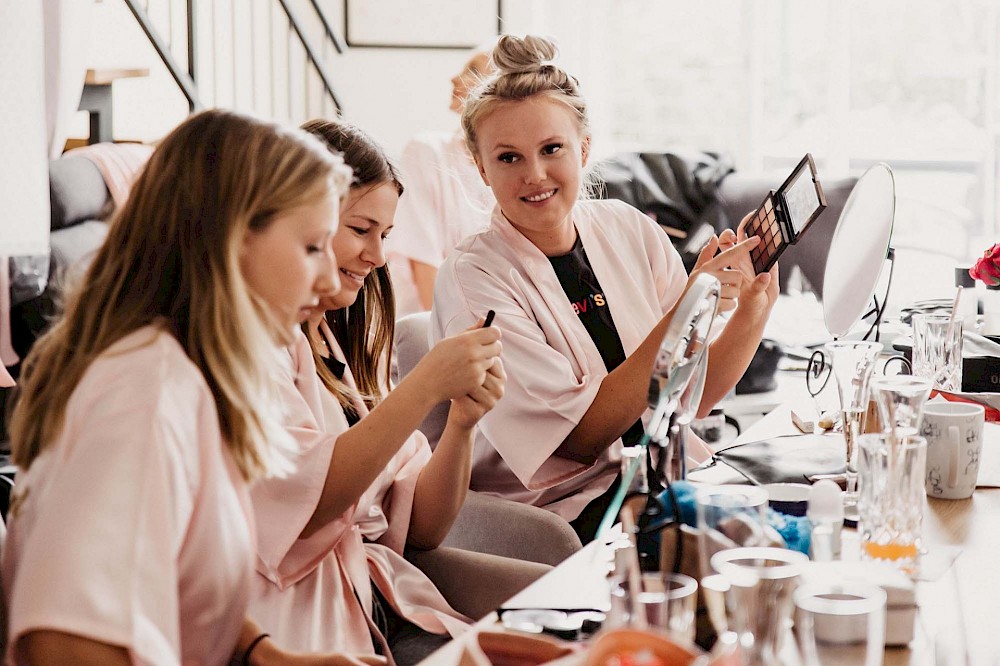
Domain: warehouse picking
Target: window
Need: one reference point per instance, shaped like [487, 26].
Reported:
[852, 82]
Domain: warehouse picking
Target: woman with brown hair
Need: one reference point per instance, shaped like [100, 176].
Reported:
[146, 411]
[332, 534]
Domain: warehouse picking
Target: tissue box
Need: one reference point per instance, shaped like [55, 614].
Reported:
[901, 602]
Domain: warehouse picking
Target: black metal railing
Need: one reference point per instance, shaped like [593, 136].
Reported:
[200, 74]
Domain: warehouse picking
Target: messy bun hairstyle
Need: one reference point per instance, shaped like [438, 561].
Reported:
[523, 69]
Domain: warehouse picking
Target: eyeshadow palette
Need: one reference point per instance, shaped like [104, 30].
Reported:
[785, 214]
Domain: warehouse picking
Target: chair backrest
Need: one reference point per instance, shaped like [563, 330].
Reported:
[411, 343]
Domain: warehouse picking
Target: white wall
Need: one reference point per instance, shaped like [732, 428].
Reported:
[392, 93]
[395, 93]
[145, 109]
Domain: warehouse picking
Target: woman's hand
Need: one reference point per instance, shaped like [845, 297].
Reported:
[759, 292]
[470, 408]
[459, 365]
[730, 266]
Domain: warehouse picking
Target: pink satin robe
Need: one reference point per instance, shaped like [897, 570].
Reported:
[554, 369]
[315, 594]
[133, 528]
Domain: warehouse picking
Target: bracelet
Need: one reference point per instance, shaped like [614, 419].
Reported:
[253, 644]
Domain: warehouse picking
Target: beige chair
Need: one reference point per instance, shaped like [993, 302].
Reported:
[486, 524]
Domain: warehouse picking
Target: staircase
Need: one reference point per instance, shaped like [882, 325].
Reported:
[268, 57]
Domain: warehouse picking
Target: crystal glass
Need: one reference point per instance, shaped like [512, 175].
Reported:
[937, 350]
[891, 499]
[840, 624]
[729, 517]
[762, 581]
[900, 400]
[666, 600]
[852, 363]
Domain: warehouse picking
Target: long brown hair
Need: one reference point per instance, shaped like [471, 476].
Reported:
[172, 258]
[364, 330]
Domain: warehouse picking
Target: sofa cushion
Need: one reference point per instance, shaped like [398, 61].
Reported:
[77, 191]
[74, 247]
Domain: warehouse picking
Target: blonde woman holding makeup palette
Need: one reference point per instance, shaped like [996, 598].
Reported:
[583, 291]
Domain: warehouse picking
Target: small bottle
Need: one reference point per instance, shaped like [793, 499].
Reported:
[826, 514]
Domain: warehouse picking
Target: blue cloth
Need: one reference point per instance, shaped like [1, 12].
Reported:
[794, 530]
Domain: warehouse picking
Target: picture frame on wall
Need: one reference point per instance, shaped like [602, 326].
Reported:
[421, 24]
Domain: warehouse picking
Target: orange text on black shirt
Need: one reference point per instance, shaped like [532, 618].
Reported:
[589, 303]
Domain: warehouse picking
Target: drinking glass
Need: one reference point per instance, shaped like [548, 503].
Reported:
[762, 581]
[937, 350]
[840, 624]
[891, 501]
[900, 400]
[852, 363]
[667, 603]
[729, 517]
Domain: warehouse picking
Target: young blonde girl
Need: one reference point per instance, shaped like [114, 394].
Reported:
[583, 291]
[145, 412]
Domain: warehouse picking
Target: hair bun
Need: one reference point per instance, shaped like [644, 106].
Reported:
[517, 55]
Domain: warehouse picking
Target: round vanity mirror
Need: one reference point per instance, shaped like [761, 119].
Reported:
[858, 250]
[684, 344]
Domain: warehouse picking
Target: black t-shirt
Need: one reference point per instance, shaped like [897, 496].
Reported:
[338, 368]
[584, 291]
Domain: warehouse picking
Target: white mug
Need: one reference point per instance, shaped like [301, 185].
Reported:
[954, 433]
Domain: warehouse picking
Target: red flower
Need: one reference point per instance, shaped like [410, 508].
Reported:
[987, 267]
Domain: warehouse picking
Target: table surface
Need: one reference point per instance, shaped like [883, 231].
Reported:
[958, 612]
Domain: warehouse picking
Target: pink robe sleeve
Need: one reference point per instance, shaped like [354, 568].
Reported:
[283, 506]
[385, 509]
[102, 558]
[543, 399]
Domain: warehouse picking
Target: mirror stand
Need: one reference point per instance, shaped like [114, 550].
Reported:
[878, 310]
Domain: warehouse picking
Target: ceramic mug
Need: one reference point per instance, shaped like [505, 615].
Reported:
[954, 433]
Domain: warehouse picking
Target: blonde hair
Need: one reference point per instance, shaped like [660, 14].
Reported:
[523, 69]
[171, 258]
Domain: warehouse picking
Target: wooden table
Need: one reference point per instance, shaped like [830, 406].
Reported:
[958, 621]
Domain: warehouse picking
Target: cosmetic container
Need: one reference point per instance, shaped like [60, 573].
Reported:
[826, 514]
[991, 311]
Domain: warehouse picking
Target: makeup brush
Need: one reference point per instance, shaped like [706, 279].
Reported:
[954, 311]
